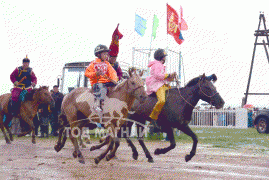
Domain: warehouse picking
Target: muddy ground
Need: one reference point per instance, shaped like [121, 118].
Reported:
[24, 160]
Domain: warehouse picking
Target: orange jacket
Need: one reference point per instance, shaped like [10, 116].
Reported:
[105, 67]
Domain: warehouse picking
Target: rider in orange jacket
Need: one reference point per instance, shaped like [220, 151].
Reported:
[101, 74]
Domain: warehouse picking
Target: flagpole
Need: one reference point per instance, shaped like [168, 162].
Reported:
[151, 40]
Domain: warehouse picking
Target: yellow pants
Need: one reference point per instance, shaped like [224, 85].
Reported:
[160, 103]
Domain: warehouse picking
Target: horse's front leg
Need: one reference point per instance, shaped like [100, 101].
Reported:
[187, 130]
[109, 147]
[77, 152]
[171, 137]
[140, 137]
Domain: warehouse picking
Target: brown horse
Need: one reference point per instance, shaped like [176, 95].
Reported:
[28, 110]
[79, 103]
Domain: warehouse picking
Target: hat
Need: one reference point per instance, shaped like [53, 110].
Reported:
[159, 54]
[100, 48]
[26, 59]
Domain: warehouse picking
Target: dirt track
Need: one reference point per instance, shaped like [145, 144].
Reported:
[23, 160]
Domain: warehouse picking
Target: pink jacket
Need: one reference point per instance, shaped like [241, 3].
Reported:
[156, 78]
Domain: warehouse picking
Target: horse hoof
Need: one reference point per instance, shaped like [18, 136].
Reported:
[157, 151]
[33, 142]
[135, 157]
[96, 160]
[75, 155]
[188, 158]
[92, 148]
[107, 158]
[150, 160]
[57, 149]
[8, 142]
[88, 142]
[82, 161]
[11, 138]
[83, 146]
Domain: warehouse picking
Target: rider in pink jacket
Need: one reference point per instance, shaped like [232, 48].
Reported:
[158, 82]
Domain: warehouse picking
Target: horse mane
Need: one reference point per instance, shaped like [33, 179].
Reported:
[29, 96]
[120, 85]
[193, 82]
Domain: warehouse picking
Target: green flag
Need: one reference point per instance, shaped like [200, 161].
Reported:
[155, 25]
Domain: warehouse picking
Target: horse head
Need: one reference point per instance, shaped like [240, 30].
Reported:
[135, 85]
[42, 95]
[208, 92]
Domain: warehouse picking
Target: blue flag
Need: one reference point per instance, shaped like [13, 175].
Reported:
[140, 25]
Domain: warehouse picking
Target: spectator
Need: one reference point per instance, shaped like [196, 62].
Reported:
[44, 116]
[58, 98]
[250, 120]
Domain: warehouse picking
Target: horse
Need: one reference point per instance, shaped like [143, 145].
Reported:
[28, 110]
[78, 103]
[176, 113]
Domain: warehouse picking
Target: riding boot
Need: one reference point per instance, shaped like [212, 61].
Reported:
[156, 128]
[14, 108]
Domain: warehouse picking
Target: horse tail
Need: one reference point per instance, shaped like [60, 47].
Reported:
[62, 119]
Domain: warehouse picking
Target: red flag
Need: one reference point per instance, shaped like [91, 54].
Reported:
[183, 24]
[172, 25]
[114, 46]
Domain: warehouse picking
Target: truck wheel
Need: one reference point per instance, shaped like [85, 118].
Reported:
[262, 125]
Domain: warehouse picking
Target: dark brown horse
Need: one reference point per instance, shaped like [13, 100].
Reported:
[28, 110]
[176, 113]
[78, 104]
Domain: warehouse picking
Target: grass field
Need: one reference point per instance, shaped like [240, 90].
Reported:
[217, 137]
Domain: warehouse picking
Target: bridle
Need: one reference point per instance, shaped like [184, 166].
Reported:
[133, 91]
[200, 88]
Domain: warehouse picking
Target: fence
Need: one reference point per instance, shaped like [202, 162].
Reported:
[220, 118]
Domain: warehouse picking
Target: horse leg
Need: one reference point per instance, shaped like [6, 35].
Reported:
[142, 144]
[106, 141]
[8, 119]
[128, 140]
[58, 145]
[81, 142]
[63, 141]
[102, 155]
[4, 132]
[87, 140]
[187, 130]
[77, 152]
[113, 152]
[170, 135]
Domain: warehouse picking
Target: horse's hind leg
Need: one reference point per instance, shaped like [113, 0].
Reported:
[187, 130]
[110, 146]
[170, 135]
[8, 119]
[4, 132]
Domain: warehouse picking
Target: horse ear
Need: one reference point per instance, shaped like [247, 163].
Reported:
[131, 71]
[203, 77]
[141, 73]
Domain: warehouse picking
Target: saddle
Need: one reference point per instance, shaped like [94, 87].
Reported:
[23, 96]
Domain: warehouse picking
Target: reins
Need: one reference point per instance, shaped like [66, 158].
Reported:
[200, 88]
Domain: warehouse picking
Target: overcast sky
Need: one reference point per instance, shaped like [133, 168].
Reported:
[219, 40]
